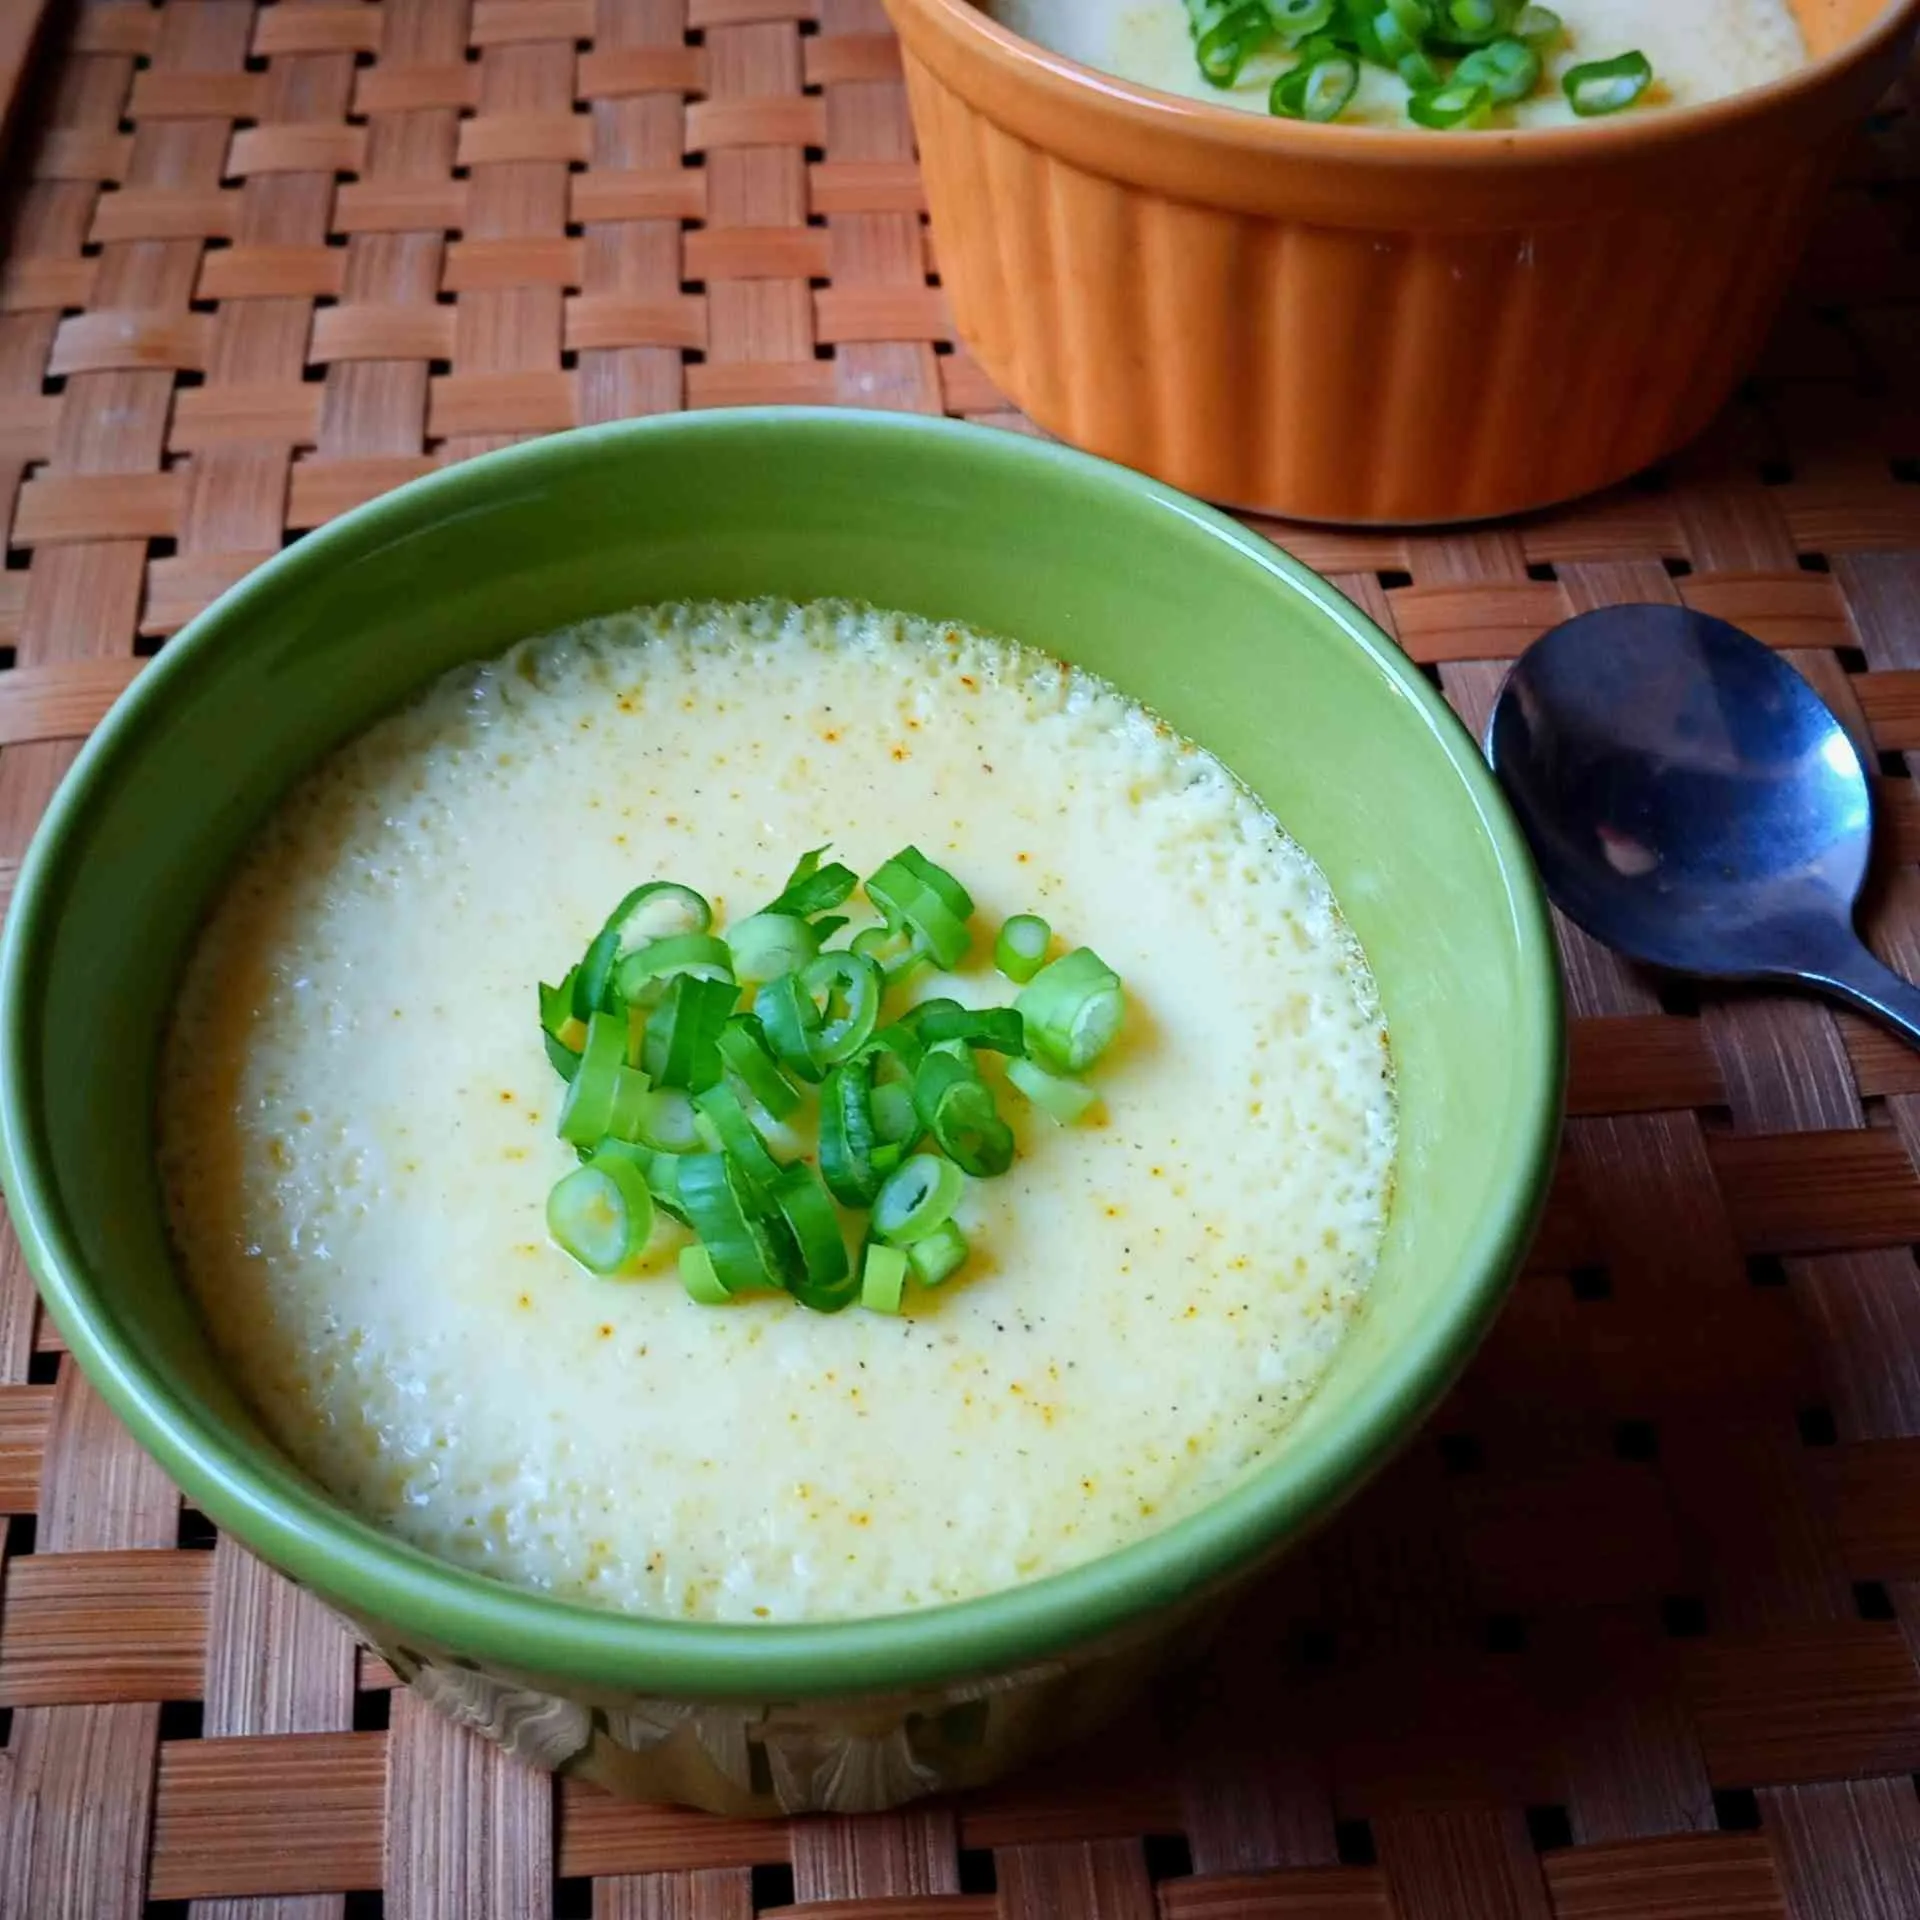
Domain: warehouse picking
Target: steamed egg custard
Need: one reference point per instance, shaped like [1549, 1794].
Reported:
[358, 1119]
[1396, 51]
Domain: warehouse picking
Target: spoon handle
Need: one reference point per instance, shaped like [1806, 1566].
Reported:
[1856, 976]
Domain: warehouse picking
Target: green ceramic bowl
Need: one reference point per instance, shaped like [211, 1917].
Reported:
[1230, 640]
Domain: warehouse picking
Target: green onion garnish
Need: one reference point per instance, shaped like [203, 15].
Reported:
[1606, 86]
[738, 1138]
[956, 1107]
[883, 1278]
[720, 1208]
[1073, 1008]
[602, 1213]
[654, 912]
[1226, 33]
[911, 892]
[939, 1255]
[822, 1279]
[998, 1029]
[1318, 90]
[664, 1077]
[586, 1114]
[1457, 104]
[697, 1275]
[1021, 949]
[682, 1043]
[744, 1055]
[812, 888]
[919, 1194]
[1508, 69]
[1294, 20]
[850, 1132]
[845, 988]
[1539, 27]
[1055, 1094]
[642, 977]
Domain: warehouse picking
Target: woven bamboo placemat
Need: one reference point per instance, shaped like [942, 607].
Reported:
[1629, 1634]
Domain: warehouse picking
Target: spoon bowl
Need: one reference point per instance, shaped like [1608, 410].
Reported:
[1693, 803]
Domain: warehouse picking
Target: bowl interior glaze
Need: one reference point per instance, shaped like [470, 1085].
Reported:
[1231, 641]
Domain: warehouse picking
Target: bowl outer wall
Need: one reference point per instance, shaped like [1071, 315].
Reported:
[1010, 534]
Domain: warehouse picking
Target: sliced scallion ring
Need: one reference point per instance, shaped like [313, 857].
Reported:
[1021, 948]
[936, 1257]
[850, 1131]
[1055, 1094]
[1319, 90]
[918, 1195]
[896, 953]
[681, 1047]
[1470, 23]
[744, 1055]
[654, 912]
[697, 1275]
[845, 988]
[1294, 20]
[1417, 73]
[1073, 1008]
[998, 1029]
[586, 1114]
[642, 977]
[883, 1278]
[912, 892]
[957, 1108]
[593, 977]
[791, 1022]
[601, 1214]
[895, 1119]
[1508, 69]
[766, 945]
[720, 1209]
[1539, 27]
[812, 888]
[665, 1121]
[739, 1138]
[824, 1279]
[1454, 105]
[1607, 86]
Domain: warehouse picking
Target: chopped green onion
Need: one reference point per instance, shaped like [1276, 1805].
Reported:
[1539, 27]
[911, 891]
[791, 1022]
[662, 1171]
[744, 1055]
[1396, 40]
[1073, 1008]
[720, 1210]
[828, 925]
[1470, 23]
[812, 888]
[957, 1108]
[1418, 73]
[593, 977]
[823, 1279]
[939, 1255]
[739, 1138]
[642, 977]
[697, 1275]
[895, 953]
[655, 911]
[999, 1029]
[1059, 1097]
[1225, 36]
[586, 1114]
[883, 1278]
[1021, 949]
[681, 1048]
[1295, 19]
[1508, 69]
[1606, 86]
[766, 945]
[845, 988]
[601, 1214]
[850, 1131]
[918, 1195]
[1316, 90]
[895, 1120]
[1454, 105]
[556, 1023]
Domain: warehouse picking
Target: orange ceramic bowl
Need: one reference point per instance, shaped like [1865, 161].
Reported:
[1363, 324]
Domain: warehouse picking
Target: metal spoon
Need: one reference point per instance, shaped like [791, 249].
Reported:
[1692, 802]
